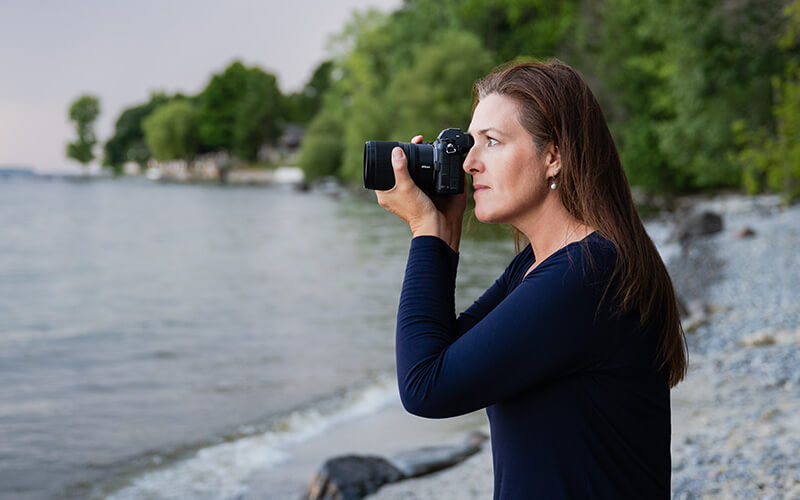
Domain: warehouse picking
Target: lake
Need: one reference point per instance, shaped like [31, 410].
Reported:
[145, 326]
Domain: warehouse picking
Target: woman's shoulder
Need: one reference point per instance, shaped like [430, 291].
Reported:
[595, 246]
[517, 265]
[591, 259]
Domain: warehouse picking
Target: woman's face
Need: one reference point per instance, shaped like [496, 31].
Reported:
[508, 174]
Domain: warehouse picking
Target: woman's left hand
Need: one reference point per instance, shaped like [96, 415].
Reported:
[440, 217]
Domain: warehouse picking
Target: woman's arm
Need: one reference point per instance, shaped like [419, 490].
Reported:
[483, 306]
[540, 331]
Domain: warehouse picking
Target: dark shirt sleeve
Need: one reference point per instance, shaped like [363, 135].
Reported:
[540, 330]
[487, 301]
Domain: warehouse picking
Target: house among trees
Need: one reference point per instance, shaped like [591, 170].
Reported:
[286, 147]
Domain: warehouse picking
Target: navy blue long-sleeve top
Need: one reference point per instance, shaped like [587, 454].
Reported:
[575, 406]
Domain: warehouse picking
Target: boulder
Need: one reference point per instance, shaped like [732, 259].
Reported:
[351, 477]
[698, 224]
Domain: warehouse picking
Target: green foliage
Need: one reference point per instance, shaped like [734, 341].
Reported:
[772, 160]
[239, 110]
[366, 74]
[723, 60]
[127, 143]
[513, 28]
[170, 132]
[83, 111]
[506, 28]
[300, 107]
[258, 115]
[674, 76]
[396, 81]
[322, 148]
[218, 105]
[699, 94]
[435, 92]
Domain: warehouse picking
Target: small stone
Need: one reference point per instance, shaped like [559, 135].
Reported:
[745, 232]
[769, 414]
[758, 339]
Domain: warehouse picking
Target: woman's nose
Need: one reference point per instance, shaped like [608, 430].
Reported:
[471, 163]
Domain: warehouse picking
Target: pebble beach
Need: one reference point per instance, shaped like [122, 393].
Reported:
[736, 416]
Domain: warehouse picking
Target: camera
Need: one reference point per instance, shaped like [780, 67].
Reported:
[435, 168]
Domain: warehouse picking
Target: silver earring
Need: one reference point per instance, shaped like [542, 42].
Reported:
[553, 185]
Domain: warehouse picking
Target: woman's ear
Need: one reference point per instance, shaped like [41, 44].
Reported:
[553, 160]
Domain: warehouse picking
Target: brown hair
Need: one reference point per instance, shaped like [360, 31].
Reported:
[556, 106]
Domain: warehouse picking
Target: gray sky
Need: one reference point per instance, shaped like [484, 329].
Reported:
[53, 51]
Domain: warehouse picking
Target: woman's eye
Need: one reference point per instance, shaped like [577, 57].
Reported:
[490, 141]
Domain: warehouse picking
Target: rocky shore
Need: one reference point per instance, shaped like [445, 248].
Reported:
[736, 417]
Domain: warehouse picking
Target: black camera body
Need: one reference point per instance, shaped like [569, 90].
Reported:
[436, 168]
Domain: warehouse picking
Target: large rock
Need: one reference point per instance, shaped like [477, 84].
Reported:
[698, 224]
[351, 477]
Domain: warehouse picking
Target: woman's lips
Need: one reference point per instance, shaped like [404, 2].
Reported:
[479, 187]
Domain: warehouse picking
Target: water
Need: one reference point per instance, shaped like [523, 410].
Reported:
[185, 335]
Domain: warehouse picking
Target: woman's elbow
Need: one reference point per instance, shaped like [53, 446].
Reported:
[414, 405]
[423, 407]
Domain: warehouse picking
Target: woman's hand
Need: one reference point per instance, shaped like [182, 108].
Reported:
[440, 216]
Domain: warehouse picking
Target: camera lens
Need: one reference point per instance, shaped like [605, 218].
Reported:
[378, 173]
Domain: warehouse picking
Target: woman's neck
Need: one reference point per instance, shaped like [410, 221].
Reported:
[552, 227]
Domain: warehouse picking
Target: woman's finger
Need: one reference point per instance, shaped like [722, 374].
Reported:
[400, 166]
[416, 139]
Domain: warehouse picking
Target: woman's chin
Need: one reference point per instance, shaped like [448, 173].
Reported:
[484, 216]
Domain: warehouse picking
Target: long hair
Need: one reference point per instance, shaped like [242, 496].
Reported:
[556, 106]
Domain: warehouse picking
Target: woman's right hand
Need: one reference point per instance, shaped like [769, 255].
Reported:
[435, 215]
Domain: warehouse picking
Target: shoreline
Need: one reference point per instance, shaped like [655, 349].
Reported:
[386, 432]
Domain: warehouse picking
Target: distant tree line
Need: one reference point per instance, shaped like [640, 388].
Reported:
[699, 94]
[239, 110]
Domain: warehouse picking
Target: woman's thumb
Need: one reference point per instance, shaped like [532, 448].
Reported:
[398, 158]
[399, 164]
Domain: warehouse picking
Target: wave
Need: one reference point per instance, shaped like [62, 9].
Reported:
[221, 471]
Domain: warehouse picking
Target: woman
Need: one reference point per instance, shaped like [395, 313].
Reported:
[574, 348]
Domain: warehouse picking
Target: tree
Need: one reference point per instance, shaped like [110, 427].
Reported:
[239, 110]
[675, 75]
[127, 143]
[435, 92]
[772, 159]
[322, 147]
[170, 132]
[83, 111]
[300, 107]
[723, 56]
[218, 105]
[258, 118]
[391, 77]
